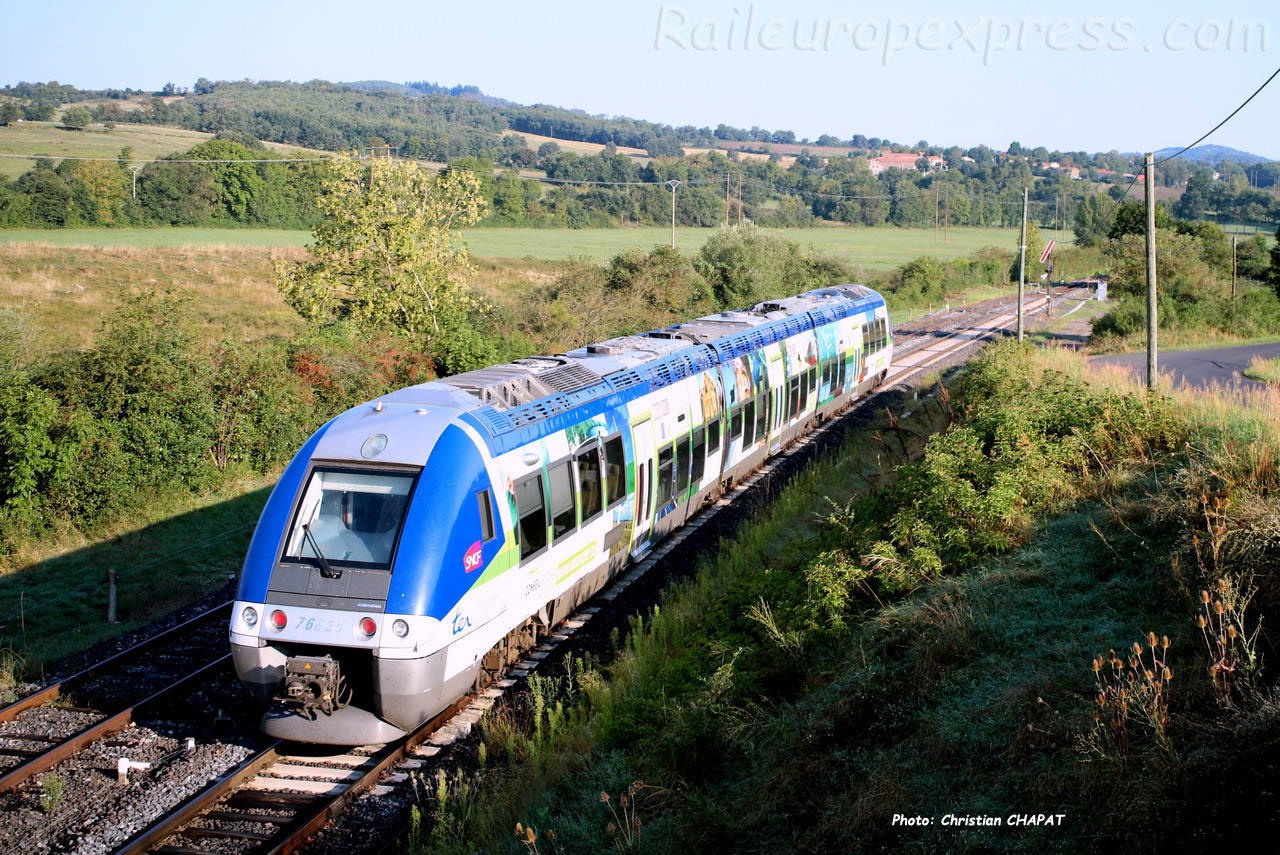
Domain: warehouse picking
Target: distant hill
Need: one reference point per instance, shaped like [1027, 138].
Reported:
[422, 87]
[1212, 155]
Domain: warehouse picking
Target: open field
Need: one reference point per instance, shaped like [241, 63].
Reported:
[870, 248]
[148, 141]
[63, 292]
[534, 141]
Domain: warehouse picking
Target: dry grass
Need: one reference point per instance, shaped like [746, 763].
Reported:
[1266, 370]
[64, 291]
[1216, 407]
[533, 141]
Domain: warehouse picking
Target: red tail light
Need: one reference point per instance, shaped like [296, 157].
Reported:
[368, 627]
[278, 619]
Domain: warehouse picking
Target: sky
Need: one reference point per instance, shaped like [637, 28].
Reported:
[1125, 75]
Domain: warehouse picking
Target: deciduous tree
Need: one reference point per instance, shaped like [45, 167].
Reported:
[387, 255]
[76, 118]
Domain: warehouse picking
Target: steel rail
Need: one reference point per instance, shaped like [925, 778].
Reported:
[55, 754]
[52, 692]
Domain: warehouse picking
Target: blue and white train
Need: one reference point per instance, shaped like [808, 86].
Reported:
[419, 543]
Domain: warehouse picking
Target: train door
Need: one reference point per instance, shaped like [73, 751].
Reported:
[777, 409]
[642, 445]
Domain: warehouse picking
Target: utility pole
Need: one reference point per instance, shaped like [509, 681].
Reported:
[134, 170]
[726, 198]
[1057, 227]
[1022, 262]
[935, 214]
[1233, 271]
[673, 184]
[1152, 318]
[946, 214]
[739, 198]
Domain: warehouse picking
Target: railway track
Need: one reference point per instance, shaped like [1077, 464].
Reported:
[279, 796]
[41, 730]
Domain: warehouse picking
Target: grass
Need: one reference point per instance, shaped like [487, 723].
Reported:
[174, 547]
[1266, 370]
[148, 142]
[870, 248]
[203, 238]
[62, 292]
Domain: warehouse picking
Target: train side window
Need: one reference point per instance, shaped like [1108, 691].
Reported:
[735, 424]
[589, 482]
[804, 392]
[484, 500]
[749, 423]
[762, 414]
[615, 470]
[793, 398]
[826, 371]
[698, 466]
[531, 510]
[666, 475]
[682, 465]
[813, 379]
[563, 513]
[713, 436]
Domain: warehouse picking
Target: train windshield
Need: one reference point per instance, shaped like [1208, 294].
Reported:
[349, 518]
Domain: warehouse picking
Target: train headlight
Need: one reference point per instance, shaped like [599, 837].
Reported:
[400, 628]
[249, 616]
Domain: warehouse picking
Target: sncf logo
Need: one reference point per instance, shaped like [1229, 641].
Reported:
[473, 559]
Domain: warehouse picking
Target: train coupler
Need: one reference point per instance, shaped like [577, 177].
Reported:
[314, 684]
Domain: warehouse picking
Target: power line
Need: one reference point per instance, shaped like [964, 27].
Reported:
[1187, 148]
[1229, 117]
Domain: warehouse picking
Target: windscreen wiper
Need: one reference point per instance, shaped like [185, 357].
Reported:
[326, 569]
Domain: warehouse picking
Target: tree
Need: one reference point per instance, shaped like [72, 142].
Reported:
[1092, 220]
[10, 112]
[386, 256]
[103, 188]
[1131, 219]
[238, 187]
[76, 118]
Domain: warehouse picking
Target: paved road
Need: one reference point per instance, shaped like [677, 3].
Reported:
[1199, 368]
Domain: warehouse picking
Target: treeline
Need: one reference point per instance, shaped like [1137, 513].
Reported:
[1230, 201]
[231, 182]
[608, 188]
[461, 126]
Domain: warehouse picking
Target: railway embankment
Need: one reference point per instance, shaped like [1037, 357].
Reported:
[1028, 610]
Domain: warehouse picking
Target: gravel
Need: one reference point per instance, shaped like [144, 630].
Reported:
[95, 814]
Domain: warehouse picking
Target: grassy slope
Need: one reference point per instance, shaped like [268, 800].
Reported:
[148, 141]
[968, 697]
[873, 249]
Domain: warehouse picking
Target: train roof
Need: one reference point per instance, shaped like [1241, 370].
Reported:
[510, 404]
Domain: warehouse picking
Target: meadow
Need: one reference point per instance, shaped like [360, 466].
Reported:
[869, 248]
[147, 142]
